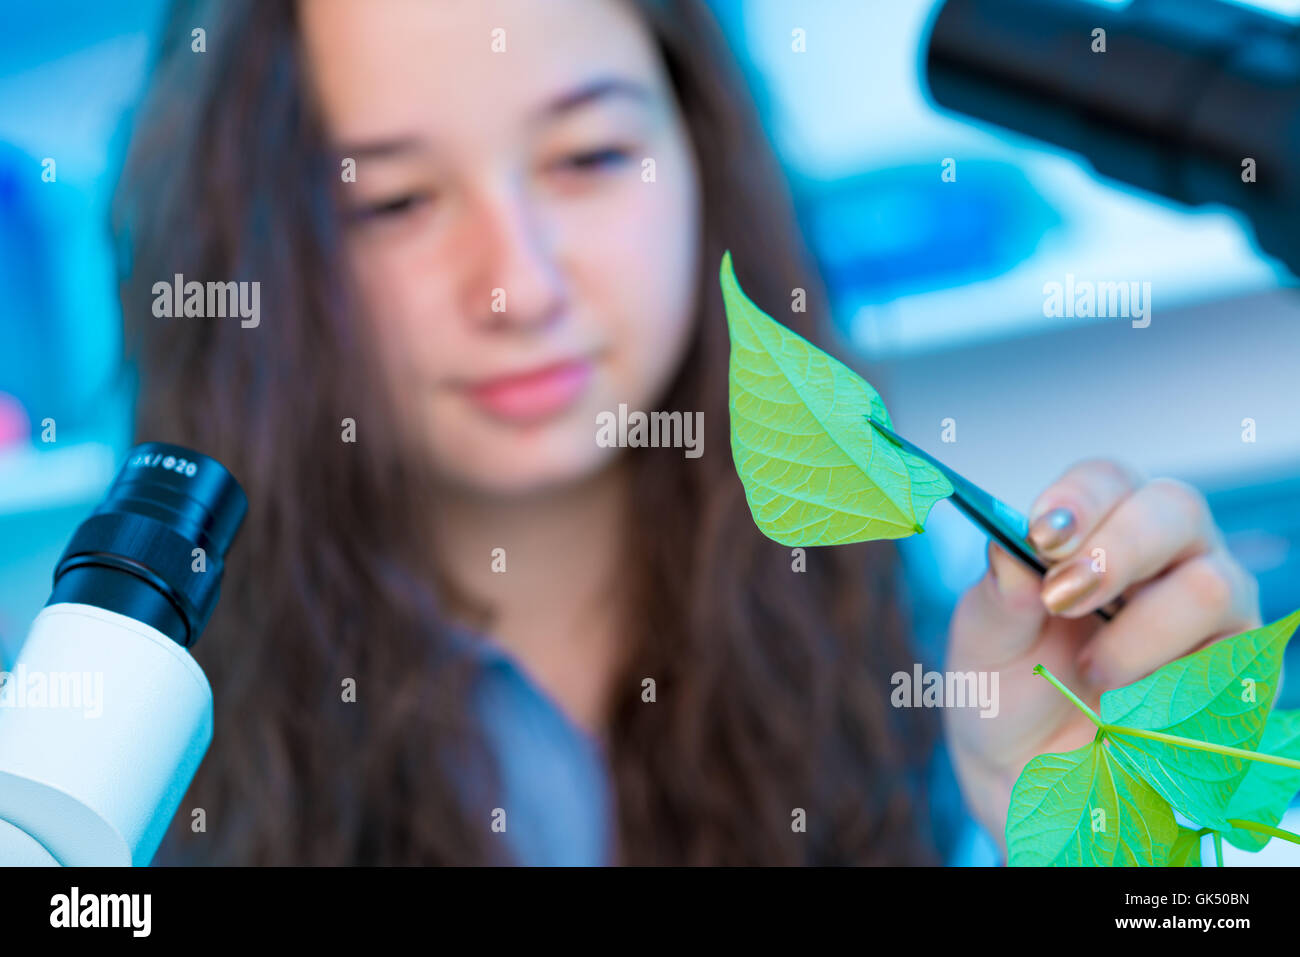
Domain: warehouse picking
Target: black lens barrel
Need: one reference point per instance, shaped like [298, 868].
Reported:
[1184, 94]
[138, 553]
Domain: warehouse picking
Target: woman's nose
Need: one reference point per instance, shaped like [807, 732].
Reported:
[515, 281]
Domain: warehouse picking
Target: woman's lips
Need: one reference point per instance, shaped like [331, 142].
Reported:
[533, 395]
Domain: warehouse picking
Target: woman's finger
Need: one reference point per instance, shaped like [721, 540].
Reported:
[1000, 618]
[1074, 505]
[1162, 523]
[1205, 596]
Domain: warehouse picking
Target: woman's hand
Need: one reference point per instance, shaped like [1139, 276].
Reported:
[1105, 534]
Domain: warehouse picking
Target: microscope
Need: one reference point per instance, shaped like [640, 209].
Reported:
[105, 715]
[1195, 100]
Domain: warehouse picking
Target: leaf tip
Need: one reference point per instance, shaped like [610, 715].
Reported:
[733, 297]
[1290, 623]
[727, 273]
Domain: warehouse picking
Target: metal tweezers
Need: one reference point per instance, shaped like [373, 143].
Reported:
[998, 520]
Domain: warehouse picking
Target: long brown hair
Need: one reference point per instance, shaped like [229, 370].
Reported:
[772, 685]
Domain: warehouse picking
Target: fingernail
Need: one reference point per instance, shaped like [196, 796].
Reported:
[1065, 585]
[1052, 529]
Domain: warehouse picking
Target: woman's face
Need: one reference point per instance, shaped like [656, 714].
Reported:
[526, 264]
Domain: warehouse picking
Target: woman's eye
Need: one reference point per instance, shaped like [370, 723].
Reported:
[392, 207]
[594, 159]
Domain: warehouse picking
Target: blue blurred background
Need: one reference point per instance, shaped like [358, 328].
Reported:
[938, 287]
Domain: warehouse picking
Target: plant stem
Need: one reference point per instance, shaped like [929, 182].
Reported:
[1174, 739]
[1218, 849]
[1056, 683]
[1203, 745]
[1262, 829]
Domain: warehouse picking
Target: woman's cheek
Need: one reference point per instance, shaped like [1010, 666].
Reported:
[641, 257]
[399, 297]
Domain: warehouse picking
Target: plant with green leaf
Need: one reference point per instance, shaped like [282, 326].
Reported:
[1198, 736]
[814, 471]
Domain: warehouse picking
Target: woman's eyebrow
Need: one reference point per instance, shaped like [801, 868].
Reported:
[591, 91]
[379, 149]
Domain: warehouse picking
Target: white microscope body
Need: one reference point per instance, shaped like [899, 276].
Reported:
[105, 715]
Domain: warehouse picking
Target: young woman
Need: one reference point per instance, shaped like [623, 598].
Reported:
[457, 628]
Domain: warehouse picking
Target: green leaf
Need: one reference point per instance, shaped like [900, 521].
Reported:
[1267, 789]
[1186, 851]
[1087, 808]
[1220, 694]
[814, 470]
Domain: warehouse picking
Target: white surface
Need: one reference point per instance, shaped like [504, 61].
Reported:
[98, 783]
[1168, 399]
[20, 849]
